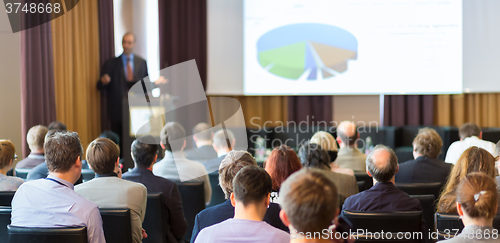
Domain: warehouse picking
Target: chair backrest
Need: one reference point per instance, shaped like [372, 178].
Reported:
[428, 203]
[154, 221]
[5, 215]
[450, 224]
[87, 174]
[6, 198]
[388, 222]
[46, 235]
[433, 188]
[193, 201]
[361, 186]
[218, 196]
[22, 173]
[116, 225]
[362, 176]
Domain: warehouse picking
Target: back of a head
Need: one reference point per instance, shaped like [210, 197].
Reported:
[347, 132]
[313, 155]
[58, 126]
[36, 137]
[477, 195]
[229, 167]
[382, 163]
[111, 136]
[251, 184]
[62, 149]
[202, 132]
[102, 155]
[428, 143]
[469, 130]
[326, 140]
[220, 140]
[282, 162]
[7, 153]
[172, 131]
[310, 200]
[143, 153]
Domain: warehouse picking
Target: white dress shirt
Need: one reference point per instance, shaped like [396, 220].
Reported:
[457, 148]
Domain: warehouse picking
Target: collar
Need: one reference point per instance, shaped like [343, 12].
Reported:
[177, 155]
[36, 156]
[124, 57]
[112, 174]
[384, 185]
[66, 183]
[141, 170]
[421, 157]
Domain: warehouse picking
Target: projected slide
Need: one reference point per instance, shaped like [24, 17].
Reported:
[292, 50]
[323, 47]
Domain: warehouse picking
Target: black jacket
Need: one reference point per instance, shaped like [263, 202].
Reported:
[423, 170]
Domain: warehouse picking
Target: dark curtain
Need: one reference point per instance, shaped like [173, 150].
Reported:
[106, 50]
[312, 109]
[38, 105]
[402, 110]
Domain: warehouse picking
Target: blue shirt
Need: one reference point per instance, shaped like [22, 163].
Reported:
[241, 230]
[124, 61]
[49, 203]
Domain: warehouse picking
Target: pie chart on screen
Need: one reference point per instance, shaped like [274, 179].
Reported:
[315, 51]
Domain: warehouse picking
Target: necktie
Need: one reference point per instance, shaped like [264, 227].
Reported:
[130, 73]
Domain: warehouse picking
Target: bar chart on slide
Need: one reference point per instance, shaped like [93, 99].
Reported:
[306, 50]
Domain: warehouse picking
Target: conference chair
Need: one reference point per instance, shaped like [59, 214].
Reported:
[429, 206]
[6, 198]
[5, 215]
[87, 174]
[362, 176]
[154, 220]
[22, 173]
[193, 201]
[116, 225]
[433, 188]
[391, 223]
[449, 225]
[218, 195]
[361, 186]
[47, 235]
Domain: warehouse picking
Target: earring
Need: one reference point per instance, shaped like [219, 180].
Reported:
[268, 205]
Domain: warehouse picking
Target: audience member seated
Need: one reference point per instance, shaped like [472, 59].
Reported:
[282, 162]
[115, 138]
[497, 163]
[425, 168]
[250, 198]
[383, 196]
[221, 147]
[314, 156]
[108, 190]
[477, 206]
[232, 163]
[470, 135]
[328, 143]
[174, 166]
[349, 155]
[144, 156]
[7, 156]
[474, 159]
[312, 214]
[58, 126]
[35, 139]
[52, 202]
[202, 136]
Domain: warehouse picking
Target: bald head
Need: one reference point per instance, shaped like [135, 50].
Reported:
[382, 163]
[347, 133]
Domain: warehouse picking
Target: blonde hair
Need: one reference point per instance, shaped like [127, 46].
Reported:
[7, 152]
[474, 159]
[36, 137]
[325, 140]
[428, 143]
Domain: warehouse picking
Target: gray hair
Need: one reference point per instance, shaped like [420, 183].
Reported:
[387, 169]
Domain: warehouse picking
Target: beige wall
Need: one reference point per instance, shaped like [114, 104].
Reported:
[10, 83]
[358, 108]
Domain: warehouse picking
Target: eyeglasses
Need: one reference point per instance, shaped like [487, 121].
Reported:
[15, 157]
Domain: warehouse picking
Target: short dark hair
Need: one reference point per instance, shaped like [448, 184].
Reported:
[58, 126]
[62, 149]
[251, 184]
[202, 132]
[111, 136]
[313, 155]
[469, 130]
[170, 132]
[388, 170]
[102, 155]
[129, 33]
[144, 153]
[310, 200]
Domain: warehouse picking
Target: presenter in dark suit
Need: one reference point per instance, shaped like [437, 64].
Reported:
[118, 75]
[425, 168]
